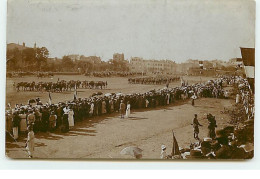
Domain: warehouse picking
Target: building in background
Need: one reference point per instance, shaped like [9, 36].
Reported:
[12, 46]
[118, 57]
[237, 62]
[201, 64]
[140, 65]
[74, 57]
[90, 59]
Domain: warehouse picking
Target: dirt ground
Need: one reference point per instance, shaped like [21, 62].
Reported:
[104, 137]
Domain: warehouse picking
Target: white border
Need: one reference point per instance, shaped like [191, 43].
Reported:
[44, 164]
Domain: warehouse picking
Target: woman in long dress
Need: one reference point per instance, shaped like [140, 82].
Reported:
[16, 123]
[23, 123]
[9, 122]
[30, 142]
[91, 110]
[52, 121]
[71, 118]
[146, 103]
[112, 105]
[127, 114]
[104, 107]
[237, 98]
[193, 97]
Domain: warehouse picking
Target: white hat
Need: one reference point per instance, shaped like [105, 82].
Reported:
[207, 139]
[163, 147]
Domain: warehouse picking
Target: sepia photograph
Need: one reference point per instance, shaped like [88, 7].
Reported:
[166, 80]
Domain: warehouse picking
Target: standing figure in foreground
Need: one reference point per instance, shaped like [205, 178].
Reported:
[196, 125]
[30, 141]
[52, 121]
[211, 126]
[237, 98]
[65, 120]
[71, 118]
[163, 152]
[16, 123]
[128, 106]
[122, 109]
[193, 97]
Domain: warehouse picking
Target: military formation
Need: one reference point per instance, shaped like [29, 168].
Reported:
[114, 73]
[153, 80]
[60, 86]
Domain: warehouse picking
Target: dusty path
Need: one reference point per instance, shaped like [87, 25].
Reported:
[105, 137]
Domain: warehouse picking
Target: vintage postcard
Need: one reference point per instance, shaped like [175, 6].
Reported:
[130, 80]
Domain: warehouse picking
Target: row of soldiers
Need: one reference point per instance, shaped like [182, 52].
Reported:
[114, 73]
[153, 80]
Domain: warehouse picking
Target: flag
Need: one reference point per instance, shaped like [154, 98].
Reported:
[175, 146]
[248, 57]
[75, 92]
[49, 98]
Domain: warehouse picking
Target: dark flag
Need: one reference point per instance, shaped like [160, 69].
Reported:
[175, 146]
[50, 98]
[248, 57]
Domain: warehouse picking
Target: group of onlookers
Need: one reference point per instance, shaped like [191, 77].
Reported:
[231, 142]
[224, 143]
[49, 117]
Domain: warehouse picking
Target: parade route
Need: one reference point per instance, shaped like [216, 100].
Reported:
[105, 136]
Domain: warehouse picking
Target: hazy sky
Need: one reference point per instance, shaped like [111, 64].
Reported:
[173, 29]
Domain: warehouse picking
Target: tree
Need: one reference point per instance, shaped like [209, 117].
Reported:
[28, 55]
[67, 63]
[41, 56]
[13, 57]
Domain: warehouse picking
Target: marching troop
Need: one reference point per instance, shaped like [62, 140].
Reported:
[59, 86]
[114, 73]
[153, 80]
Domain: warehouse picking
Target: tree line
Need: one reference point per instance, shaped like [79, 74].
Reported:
[31, 59]
[28, 59]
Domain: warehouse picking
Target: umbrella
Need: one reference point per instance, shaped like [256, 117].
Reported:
[194, 97]
[241, 85]
[93, 94]
[99, 93]
[108, 94]
[119, 94]
[133, 151]
[175, 146]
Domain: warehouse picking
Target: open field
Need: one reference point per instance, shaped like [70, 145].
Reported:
[115, 85]
[104, 137]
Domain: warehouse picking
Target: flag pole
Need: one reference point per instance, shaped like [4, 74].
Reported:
[50, 97]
